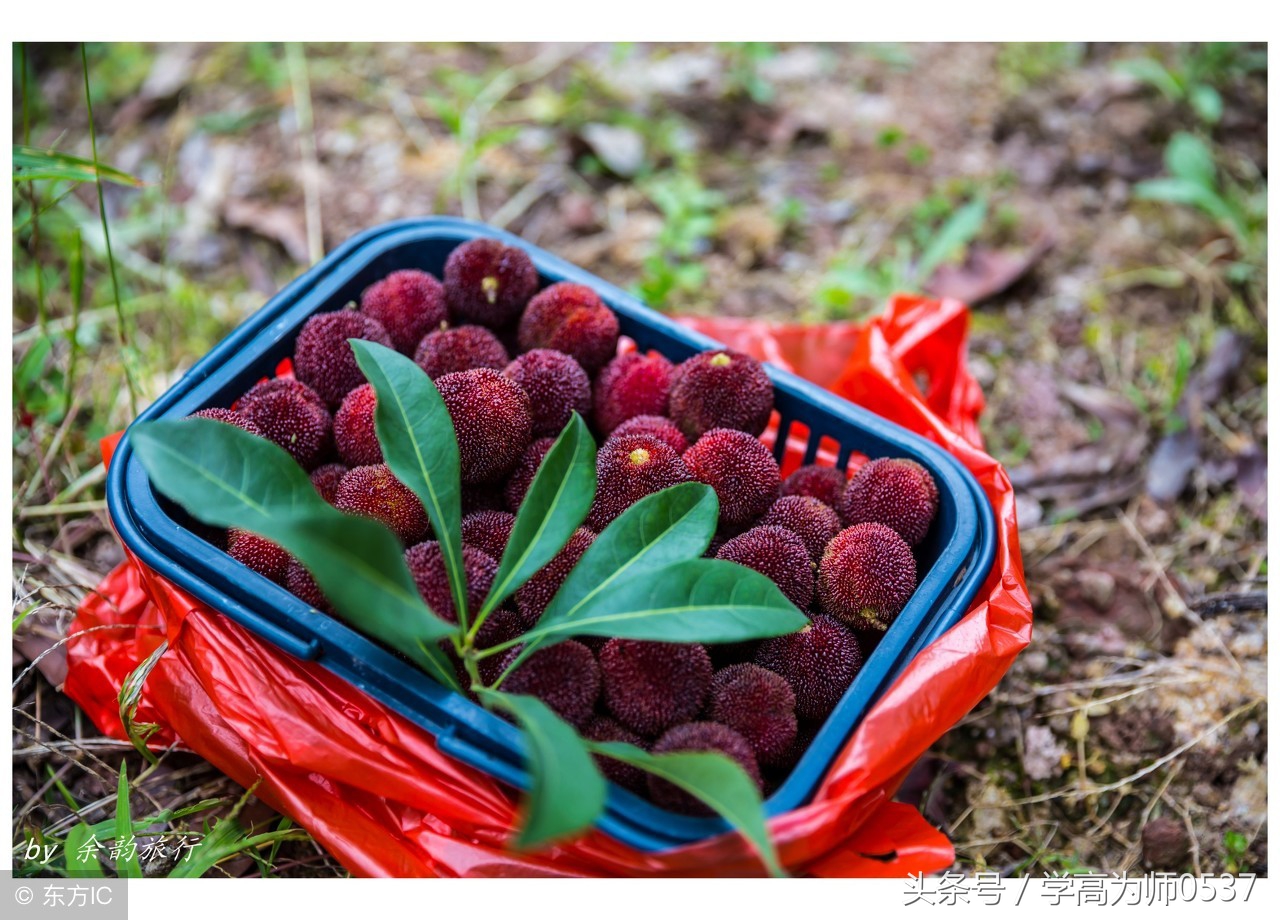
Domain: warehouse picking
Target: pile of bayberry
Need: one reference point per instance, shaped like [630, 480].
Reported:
[838, 548]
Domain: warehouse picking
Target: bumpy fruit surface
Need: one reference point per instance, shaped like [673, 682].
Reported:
[492, 420]
[427, 566]
[459, 348]
[656, 426]
[488, 282]
[866, 576]
[557, 387]
[721, 389]
[302, 586]
[354, 432]
[759, 705]
[699, 736]
[326, 480]
[630, 385]
[898, 493]
[571, 318]
[535, 594]
[258, 553]
[488, 531]
[482, 497]
[740, 469]
[292, 415]
[408, 303]
[778, 554]
[814, 522]
[521, 477]
[374, 491]
[819, 662]
[603, 728]
[230, 417]
[825, 483]
[627, 469]
[564, 676]
[323, 358]
[651, 686]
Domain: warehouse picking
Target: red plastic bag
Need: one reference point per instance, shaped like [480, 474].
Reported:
[374, 789]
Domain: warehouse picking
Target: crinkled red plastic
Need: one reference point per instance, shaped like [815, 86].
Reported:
[375, 790]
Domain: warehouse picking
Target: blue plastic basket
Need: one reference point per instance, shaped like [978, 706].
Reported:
[954, 559]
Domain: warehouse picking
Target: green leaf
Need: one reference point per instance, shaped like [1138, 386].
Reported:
[1185, 191]
[128, 698]
[227, 839]
[568, 792]
[1188, 157]
[555, 505]
[1175, 191]
[1153, 73]
[698, 600]
[952, 239]
[31, 163]
[670, 526]
[1206, 102]
[81, 848]
[127, 863]
[716, 781]
[227, 477]
[419, 445]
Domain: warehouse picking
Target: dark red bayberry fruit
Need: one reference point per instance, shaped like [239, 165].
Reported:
[866, 576]
[656, 426]
[408, 303]
[427, 566]
[779, 555]
[526, 468]
[740, 469]
[814, 522]
[459, 348]
[825, 483]
[721, 389]
[571, 318]
[557, 387]
[327, 478]
[492, 420]
[564, 676]
[488, 531]
[895, 492]
[258, 553]
[603, 728]
[373, 491]
[630, 385]
[627, 469]
[488, 282]
[230, 417]
[292, 415]
[301, 585]
[354, 432]
[699, 737]
[323, 358]
[651, 686]
[534, 595]
[819, 662]
[759, 705]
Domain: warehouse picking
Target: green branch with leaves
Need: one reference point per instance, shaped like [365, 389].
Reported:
[644, 577]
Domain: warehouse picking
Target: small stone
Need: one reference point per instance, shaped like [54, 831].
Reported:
[1165, 844]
